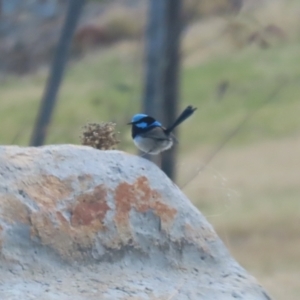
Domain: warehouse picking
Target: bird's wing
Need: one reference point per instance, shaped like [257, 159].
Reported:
[156, 133]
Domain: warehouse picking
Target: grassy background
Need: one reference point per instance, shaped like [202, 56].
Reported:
[251, 191]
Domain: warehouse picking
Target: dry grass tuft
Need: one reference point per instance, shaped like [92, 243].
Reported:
[101, 136]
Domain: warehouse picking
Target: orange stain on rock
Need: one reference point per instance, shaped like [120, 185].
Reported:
[13, 210]
[90, 207]
[142, 198]
[46, 190]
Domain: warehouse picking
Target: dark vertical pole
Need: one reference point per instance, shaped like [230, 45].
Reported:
[56, 74]
[155, 62]
[155, 58]
[171, 80]
[162, 69]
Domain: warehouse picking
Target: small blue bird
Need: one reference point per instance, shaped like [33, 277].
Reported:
[149, 135]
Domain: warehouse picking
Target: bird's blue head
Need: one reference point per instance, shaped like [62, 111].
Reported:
[143, 121]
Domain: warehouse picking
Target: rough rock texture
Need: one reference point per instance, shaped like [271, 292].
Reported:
[79, 223]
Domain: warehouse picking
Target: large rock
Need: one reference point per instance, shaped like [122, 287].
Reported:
[78, 223]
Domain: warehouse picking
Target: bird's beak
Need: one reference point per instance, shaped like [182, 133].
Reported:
[129, 123]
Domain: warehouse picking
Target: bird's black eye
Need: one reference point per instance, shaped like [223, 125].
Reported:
[146, 120]
[149, 120]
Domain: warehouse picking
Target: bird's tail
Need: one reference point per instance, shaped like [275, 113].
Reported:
[184, 115]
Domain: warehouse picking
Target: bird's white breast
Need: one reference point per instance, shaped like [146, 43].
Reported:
[152, 146]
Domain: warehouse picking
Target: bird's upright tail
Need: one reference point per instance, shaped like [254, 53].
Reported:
[184, 115]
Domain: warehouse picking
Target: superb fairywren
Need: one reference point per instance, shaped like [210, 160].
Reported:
[149, 135]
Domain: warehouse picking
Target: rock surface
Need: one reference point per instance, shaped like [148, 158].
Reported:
[79, 223]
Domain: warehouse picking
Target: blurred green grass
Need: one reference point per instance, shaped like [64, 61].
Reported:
[251, 77]
[107, 86]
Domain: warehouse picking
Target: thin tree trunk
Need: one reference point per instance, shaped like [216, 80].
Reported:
[155, 60]
[162, 69]
[56, 75]
[171, 80]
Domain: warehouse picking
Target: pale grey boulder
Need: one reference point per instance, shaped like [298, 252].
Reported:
[79, 223]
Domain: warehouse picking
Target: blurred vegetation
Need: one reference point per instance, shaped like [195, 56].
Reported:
[106, 86]
[231, 64]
